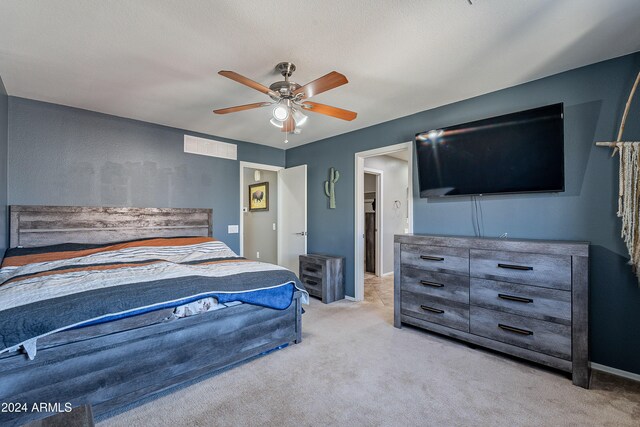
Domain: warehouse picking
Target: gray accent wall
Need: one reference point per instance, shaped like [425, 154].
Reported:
[4, 136]
[67, 156]
[594, 98]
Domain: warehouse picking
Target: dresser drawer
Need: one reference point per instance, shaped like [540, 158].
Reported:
[549, 271]
[451, 287]
[436, 258]
[545, 337]
[531, 301]
[435, 310]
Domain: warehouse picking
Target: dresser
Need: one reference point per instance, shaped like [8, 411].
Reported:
[323, 276]
[527, 298]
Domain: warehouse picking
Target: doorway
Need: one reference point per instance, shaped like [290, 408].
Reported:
[274, 229]
[393, 215]
[258, 227]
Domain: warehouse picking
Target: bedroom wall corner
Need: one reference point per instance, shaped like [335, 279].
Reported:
[4, 144]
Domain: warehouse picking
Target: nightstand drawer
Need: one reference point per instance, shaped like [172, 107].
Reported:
[435, 310]
[313, 285]
[530, 301]
[549, 271]
[451, 287]
[436, 258]
[545, 337]
[311, 269]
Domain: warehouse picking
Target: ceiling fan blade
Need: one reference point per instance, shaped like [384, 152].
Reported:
[328, 110]
[242, 107]
[289, 125]
[322, 84]
[247, 82]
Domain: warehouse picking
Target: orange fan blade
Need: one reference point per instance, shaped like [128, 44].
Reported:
[323, 84]
[247, 82]
[328, 110]
[242, 107]
[289, 125]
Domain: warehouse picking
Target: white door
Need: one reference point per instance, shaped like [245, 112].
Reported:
[292, 216]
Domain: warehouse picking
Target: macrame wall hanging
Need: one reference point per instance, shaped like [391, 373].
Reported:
[629, 189]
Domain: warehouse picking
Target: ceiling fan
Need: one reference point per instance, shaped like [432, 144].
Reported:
[289, 98]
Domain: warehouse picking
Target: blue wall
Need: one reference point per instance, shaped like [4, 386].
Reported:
[593, 97]
[4, 135]
[66, 156]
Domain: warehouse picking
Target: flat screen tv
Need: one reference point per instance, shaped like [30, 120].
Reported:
[516, 153]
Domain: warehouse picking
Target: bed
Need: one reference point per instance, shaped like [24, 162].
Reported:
[120, 350]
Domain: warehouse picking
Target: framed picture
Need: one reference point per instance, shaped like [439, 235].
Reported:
[259, 197]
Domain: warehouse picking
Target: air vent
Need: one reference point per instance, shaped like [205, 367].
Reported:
[210, 147]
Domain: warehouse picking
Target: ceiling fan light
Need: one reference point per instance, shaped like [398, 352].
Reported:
[276, 123]
[435, 134]
[299, 118]
[281, 113]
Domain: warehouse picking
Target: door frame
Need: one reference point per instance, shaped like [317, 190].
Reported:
[358, 235]
[252, 165]
[379, 215]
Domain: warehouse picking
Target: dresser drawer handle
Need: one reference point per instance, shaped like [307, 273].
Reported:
[515, 267]
[432, 258]
[515, 298]
[431, 309]
[434, 284]
[514, 330]
[311, 282]
[311, 270]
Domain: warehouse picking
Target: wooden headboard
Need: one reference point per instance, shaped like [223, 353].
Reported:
[49, 225]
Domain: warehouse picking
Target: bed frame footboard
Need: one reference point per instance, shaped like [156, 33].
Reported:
[118, 368]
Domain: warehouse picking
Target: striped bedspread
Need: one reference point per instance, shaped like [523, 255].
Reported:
[48, 289]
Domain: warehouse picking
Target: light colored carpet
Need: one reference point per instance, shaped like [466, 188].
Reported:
[354, 368]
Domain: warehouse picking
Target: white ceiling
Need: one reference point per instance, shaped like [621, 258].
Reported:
[156, 60]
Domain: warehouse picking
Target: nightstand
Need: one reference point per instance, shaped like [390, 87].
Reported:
[323, 276]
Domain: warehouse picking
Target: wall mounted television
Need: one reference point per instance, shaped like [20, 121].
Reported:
[515, 153]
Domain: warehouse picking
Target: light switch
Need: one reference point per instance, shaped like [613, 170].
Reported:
[232, 229]
[274, 225]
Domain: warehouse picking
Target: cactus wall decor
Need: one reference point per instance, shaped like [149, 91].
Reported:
[329, 187]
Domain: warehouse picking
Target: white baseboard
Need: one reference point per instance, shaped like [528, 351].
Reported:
[387, 274]
[347, 297]
[614, 371]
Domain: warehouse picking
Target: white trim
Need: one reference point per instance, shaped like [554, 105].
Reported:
[347, 297]
[379, 215]
[251, 165]
[614, 371]
[388, 273]
[358, 262]
[359, 207]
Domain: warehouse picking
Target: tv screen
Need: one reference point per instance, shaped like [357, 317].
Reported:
[515, 153]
